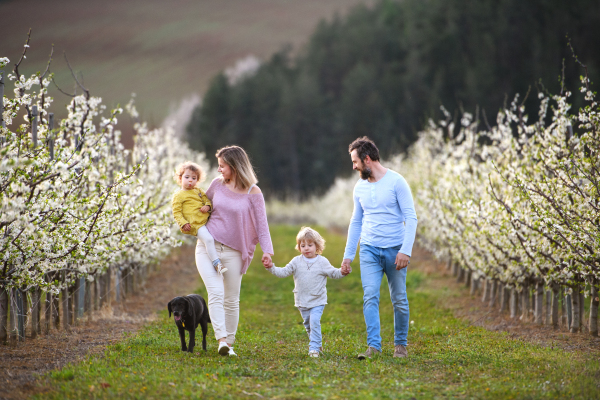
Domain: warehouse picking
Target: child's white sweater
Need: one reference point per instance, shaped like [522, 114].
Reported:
[310, 280]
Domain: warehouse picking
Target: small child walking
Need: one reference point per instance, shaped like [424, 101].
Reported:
[191, 209]
[310, 270]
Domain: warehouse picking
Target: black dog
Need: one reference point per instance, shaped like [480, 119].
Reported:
[189, 311]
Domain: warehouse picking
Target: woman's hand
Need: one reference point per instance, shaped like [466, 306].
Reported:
[266, 260]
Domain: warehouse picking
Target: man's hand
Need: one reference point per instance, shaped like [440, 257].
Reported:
[266, 260]
[186, 228]
[346, 268]
[205, 209]
[402, 261]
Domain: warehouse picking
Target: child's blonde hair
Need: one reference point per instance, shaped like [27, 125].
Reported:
[181, 168]
[308, 234]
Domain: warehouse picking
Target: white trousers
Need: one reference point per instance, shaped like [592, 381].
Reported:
[209, 242]
[223, 291]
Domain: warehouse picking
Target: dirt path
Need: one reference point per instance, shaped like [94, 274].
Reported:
[22, 364]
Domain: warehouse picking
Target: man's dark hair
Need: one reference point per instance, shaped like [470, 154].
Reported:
[364, 147]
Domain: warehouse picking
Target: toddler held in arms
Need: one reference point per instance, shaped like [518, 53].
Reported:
[191, 209]
[310, 270]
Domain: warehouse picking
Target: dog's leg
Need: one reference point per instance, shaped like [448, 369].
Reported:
[182, 337]
[192, 340]
[204, 332]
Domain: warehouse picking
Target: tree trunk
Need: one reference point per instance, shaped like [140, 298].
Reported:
[486, 289]
[101, 286]
[575, 298]
[36, 297]
[474, 280]
[454, 268]
[569, 311]
[505, 301]
[48, 313]
[64, 304]
[87, 303]
[71, 305]
[96, 296]
[3, 316]
[548, 307]
[494, 294]
[79, 299]
[594, 309]
[563, 307]
[555, 298]
[582, 310]
[108, 286]
[539, 300]
[56, 311]
[25, 314]
[514, 302]
[449, 265]
[468, 278]
[12, 317]
[525, 303]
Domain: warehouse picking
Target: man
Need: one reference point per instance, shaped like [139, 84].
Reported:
[385, 222]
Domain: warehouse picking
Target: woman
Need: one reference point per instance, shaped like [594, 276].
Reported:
[238, 222]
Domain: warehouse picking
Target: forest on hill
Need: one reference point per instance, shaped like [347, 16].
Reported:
[382, 71]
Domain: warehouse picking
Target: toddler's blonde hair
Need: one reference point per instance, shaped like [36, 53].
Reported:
[308, 234]
[181, 168]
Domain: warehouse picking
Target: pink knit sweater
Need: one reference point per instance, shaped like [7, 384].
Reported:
[239, 221]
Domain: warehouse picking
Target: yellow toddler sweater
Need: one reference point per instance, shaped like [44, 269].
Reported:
[186, 209]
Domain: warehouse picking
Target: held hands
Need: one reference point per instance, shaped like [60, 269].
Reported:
[346, 268]
[205, 209]
[266, 260]
[186, 228]
[402, 261]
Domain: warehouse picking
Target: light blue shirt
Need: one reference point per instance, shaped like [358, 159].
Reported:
[384, 215]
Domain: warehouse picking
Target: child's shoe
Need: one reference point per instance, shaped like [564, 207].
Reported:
[220, 269]
[313, 353]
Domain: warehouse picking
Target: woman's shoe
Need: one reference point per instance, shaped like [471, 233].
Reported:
[231, 352]
[224, 348]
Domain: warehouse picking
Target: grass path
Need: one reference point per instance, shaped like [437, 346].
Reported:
[447, 357]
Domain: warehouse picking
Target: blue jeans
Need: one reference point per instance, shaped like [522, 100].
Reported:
[374, 262]
[312, 324]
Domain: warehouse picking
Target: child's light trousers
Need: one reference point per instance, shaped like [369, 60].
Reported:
[209, 242]
[312, 324]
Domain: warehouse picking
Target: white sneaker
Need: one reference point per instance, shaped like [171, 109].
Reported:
[220, 269]
[313, 353]
[224, 348]
[231, 352]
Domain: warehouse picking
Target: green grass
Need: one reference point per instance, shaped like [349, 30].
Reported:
[447, 357]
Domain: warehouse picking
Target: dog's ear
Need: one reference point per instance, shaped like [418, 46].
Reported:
[191, 310]
[169, 308]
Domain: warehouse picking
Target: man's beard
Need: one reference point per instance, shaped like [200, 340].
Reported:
[366, 173]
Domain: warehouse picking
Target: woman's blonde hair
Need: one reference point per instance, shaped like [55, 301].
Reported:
[181, 168]
[238, 161]
[308, 234]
